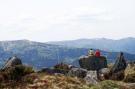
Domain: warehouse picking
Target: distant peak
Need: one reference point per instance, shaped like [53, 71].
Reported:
[22, 40]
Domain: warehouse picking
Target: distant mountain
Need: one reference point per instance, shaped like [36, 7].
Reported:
[46, 55]
[126, 44]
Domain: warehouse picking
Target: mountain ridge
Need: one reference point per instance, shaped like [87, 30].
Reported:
[124, 44]
[41, 55]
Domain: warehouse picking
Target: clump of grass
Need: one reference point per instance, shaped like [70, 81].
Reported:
[62, 66]
[130, 73]
[110, 65]
[14, 77]
[29, 78]
[108, 84]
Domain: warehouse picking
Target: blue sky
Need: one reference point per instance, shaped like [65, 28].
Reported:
[55, 20]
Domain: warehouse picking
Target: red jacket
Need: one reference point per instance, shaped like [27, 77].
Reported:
[97, 53]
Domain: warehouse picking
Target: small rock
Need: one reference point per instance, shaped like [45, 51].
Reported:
[91, 77]
[78, 72]
[71, 66]
[103, 73]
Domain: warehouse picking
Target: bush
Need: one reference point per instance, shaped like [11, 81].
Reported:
[62, 66]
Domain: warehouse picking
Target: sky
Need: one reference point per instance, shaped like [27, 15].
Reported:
[56, 20]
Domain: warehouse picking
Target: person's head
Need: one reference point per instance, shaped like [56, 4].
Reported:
[121, 53]
[91, 49]
[97, 50]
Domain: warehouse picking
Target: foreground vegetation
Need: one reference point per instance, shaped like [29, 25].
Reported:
[57, 81]
[24, 77]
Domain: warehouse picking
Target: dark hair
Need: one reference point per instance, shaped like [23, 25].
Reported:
[121, 53]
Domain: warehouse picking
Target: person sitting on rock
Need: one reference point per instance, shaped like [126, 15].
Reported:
[91, 52]
[97, 53]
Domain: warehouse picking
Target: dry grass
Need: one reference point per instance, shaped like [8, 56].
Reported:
[59, 81]
[109, 84]
[130, 73]
[110, 65]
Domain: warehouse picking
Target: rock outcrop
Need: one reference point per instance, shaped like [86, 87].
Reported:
[13, 61]
[93, 62]
[120, 63]
[117, 71]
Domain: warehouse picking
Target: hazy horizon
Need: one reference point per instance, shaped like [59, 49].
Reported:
[69, 39]
[58, 20]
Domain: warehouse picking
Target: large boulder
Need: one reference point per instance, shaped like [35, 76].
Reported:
[91, 77]
[93, 62]
[77, 72]
[120, 63]
[117, 71]
[13, 61]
